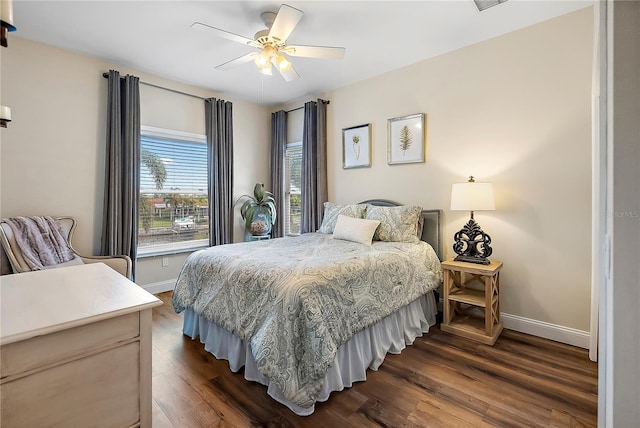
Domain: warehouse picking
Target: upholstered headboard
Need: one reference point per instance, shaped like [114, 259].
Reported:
[430, 230]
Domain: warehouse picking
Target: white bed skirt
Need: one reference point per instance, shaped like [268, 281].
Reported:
[366, 349]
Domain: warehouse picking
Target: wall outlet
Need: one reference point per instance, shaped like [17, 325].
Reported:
[165, 261]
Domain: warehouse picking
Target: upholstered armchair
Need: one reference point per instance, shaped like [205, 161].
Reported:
[121, 264]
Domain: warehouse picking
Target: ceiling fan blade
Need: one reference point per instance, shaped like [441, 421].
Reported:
[324, 52]
[290, 74]
[286, 20]
[238, 61]
[222, 33]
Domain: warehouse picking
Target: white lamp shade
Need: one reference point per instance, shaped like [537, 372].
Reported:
[5, 113]
[6, 14]
[472, 197]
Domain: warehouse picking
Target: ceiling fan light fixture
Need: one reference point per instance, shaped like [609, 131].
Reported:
[266, 70]
[264, 57]
[283, 63]
[262, 60]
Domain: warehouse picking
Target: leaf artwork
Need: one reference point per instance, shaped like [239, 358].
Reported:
[405, 139]
[356, 146]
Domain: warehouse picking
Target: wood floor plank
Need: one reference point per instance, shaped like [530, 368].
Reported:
[441, 380]
[158, 418]
[182, 405]
[438, 411]
[228, 411]
[337, 410]
[386, 414]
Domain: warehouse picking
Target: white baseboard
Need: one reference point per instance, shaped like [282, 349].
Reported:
[160, 287]
[558, 333]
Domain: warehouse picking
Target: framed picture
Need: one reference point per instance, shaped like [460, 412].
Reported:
[405, 139]
[356, 146]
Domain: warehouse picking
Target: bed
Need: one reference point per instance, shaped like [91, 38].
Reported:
[308, 315]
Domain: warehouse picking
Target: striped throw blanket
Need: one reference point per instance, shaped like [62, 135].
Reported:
[40, 240]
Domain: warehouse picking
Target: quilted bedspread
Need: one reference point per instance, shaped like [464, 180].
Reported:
[296, 300]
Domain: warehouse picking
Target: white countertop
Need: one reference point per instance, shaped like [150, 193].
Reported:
[46, 301]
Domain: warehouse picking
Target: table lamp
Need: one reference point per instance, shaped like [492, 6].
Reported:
[471, 244]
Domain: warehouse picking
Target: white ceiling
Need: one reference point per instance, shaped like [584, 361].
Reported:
[154, 36]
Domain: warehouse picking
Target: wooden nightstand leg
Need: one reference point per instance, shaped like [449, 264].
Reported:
[495, 298]
[446, 288]
[488, 294]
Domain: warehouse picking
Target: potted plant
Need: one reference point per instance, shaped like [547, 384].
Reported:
[258, 211]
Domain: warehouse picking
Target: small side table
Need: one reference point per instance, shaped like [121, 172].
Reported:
[468, 287]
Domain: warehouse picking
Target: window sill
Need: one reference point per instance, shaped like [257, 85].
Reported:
[168, 249]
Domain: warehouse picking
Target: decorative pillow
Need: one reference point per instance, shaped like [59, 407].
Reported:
[397, 224]
[332, 211]
[355, 229]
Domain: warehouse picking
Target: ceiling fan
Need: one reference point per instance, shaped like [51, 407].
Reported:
[272, 44]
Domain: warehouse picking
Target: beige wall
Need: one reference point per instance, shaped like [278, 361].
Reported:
[53, 150]
[514, 111]
[295, 121]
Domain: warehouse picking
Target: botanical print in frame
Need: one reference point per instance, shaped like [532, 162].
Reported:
[356, 146]
[405, 139]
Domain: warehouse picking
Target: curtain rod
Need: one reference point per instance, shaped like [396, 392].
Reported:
[106, 76]
[301, 107]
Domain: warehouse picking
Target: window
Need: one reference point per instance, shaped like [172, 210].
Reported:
[174, 206]
[293, 186]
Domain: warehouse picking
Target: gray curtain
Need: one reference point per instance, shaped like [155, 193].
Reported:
[219, 127]
[122, 169]
[278, 150]
[314, 165]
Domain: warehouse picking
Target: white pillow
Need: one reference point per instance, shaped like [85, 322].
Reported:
[355, 229]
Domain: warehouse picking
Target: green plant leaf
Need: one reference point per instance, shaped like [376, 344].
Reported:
[251, 212]
[268, 196]
[245, 207]
[272, 214]
[258, 191]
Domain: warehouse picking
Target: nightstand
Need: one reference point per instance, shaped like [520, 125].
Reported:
[472, 300]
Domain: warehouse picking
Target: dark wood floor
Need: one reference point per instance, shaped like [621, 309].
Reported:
[440, 381]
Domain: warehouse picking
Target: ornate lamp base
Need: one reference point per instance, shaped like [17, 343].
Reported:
[470, 259]
[472, 245]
